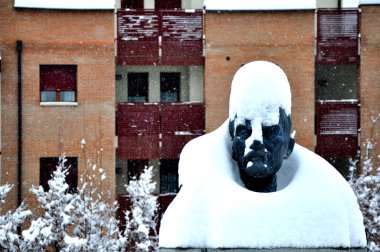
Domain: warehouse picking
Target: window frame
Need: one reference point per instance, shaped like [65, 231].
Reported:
[136, 167]
[134, 77]
[167, 4]
[168, 171]
[49, 165]
[166, 88]
[54, 93]
[132, 4]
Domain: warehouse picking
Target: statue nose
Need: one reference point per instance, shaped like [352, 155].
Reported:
[257, 145]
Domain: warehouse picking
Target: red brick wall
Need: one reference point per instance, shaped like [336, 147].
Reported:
[370, 75]
[285, 38]
[84, 38]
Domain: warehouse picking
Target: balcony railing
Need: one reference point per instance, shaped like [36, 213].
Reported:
[338, 36]
[157, 130]
[159, 37]
[337, 128]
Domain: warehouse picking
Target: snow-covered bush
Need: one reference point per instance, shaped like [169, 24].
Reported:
[96, 227]
[50, 229]
[141, 224]
[366, 186]
[10, 222]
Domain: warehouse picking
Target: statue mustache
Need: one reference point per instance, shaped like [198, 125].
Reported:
[261, 155]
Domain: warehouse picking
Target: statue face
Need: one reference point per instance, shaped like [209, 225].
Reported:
[260, 160]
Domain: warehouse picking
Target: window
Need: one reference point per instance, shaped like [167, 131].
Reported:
[132, 4]
[58, 83]
[136, 167]
[137, 87]
[48, 166]
[170, 87]
[168, 4]
[169, 175]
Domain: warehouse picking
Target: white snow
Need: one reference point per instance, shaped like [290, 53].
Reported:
[259, 4]
[350, 3]
[313, 207]
[363, 2]
[67, 4]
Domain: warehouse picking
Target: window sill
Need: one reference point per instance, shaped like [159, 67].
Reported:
[70, 104]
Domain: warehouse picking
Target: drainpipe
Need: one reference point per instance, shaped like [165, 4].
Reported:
[19, 115]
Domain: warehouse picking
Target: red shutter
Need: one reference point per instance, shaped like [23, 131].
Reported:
[180, 124]
[58, 77]
[337, 36]
[337, 127]
[138, 129]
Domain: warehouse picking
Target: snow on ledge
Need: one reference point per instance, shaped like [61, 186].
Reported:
[73, 104]
[369, 2]
[260, 5]
[67, 4]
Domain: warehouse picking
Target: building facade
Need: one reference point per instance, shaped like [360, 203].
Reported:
[139, 79]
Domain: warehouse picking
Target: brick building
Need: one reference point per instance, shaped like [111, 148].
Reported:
[60, 59]
[161, 71]
[370, 72]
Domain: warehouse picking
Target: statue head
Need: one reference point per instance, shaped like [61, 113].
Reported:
[260, 123]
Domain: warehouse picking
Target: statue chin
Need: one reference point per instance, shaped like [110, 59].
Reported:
[258, 165]
[259, 175]
[257, 169]
[259, 184]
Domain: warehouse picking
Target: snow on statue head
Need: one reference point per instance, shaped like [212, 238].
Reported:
[260, 123]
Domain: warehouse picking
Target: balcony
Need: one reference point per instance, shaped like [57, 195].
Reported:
[160, 37]
[157, 130]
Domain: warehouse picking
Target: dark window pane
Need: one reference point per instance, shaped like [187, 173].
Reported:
[49, 164]
[168, 4]
[138, 87]
[132, 4]
[136, 167]
[170, 84]
[169, 175]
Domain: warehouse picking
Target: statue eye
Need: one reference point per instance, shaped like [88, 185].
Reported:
[271, 131]
[243, 132]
